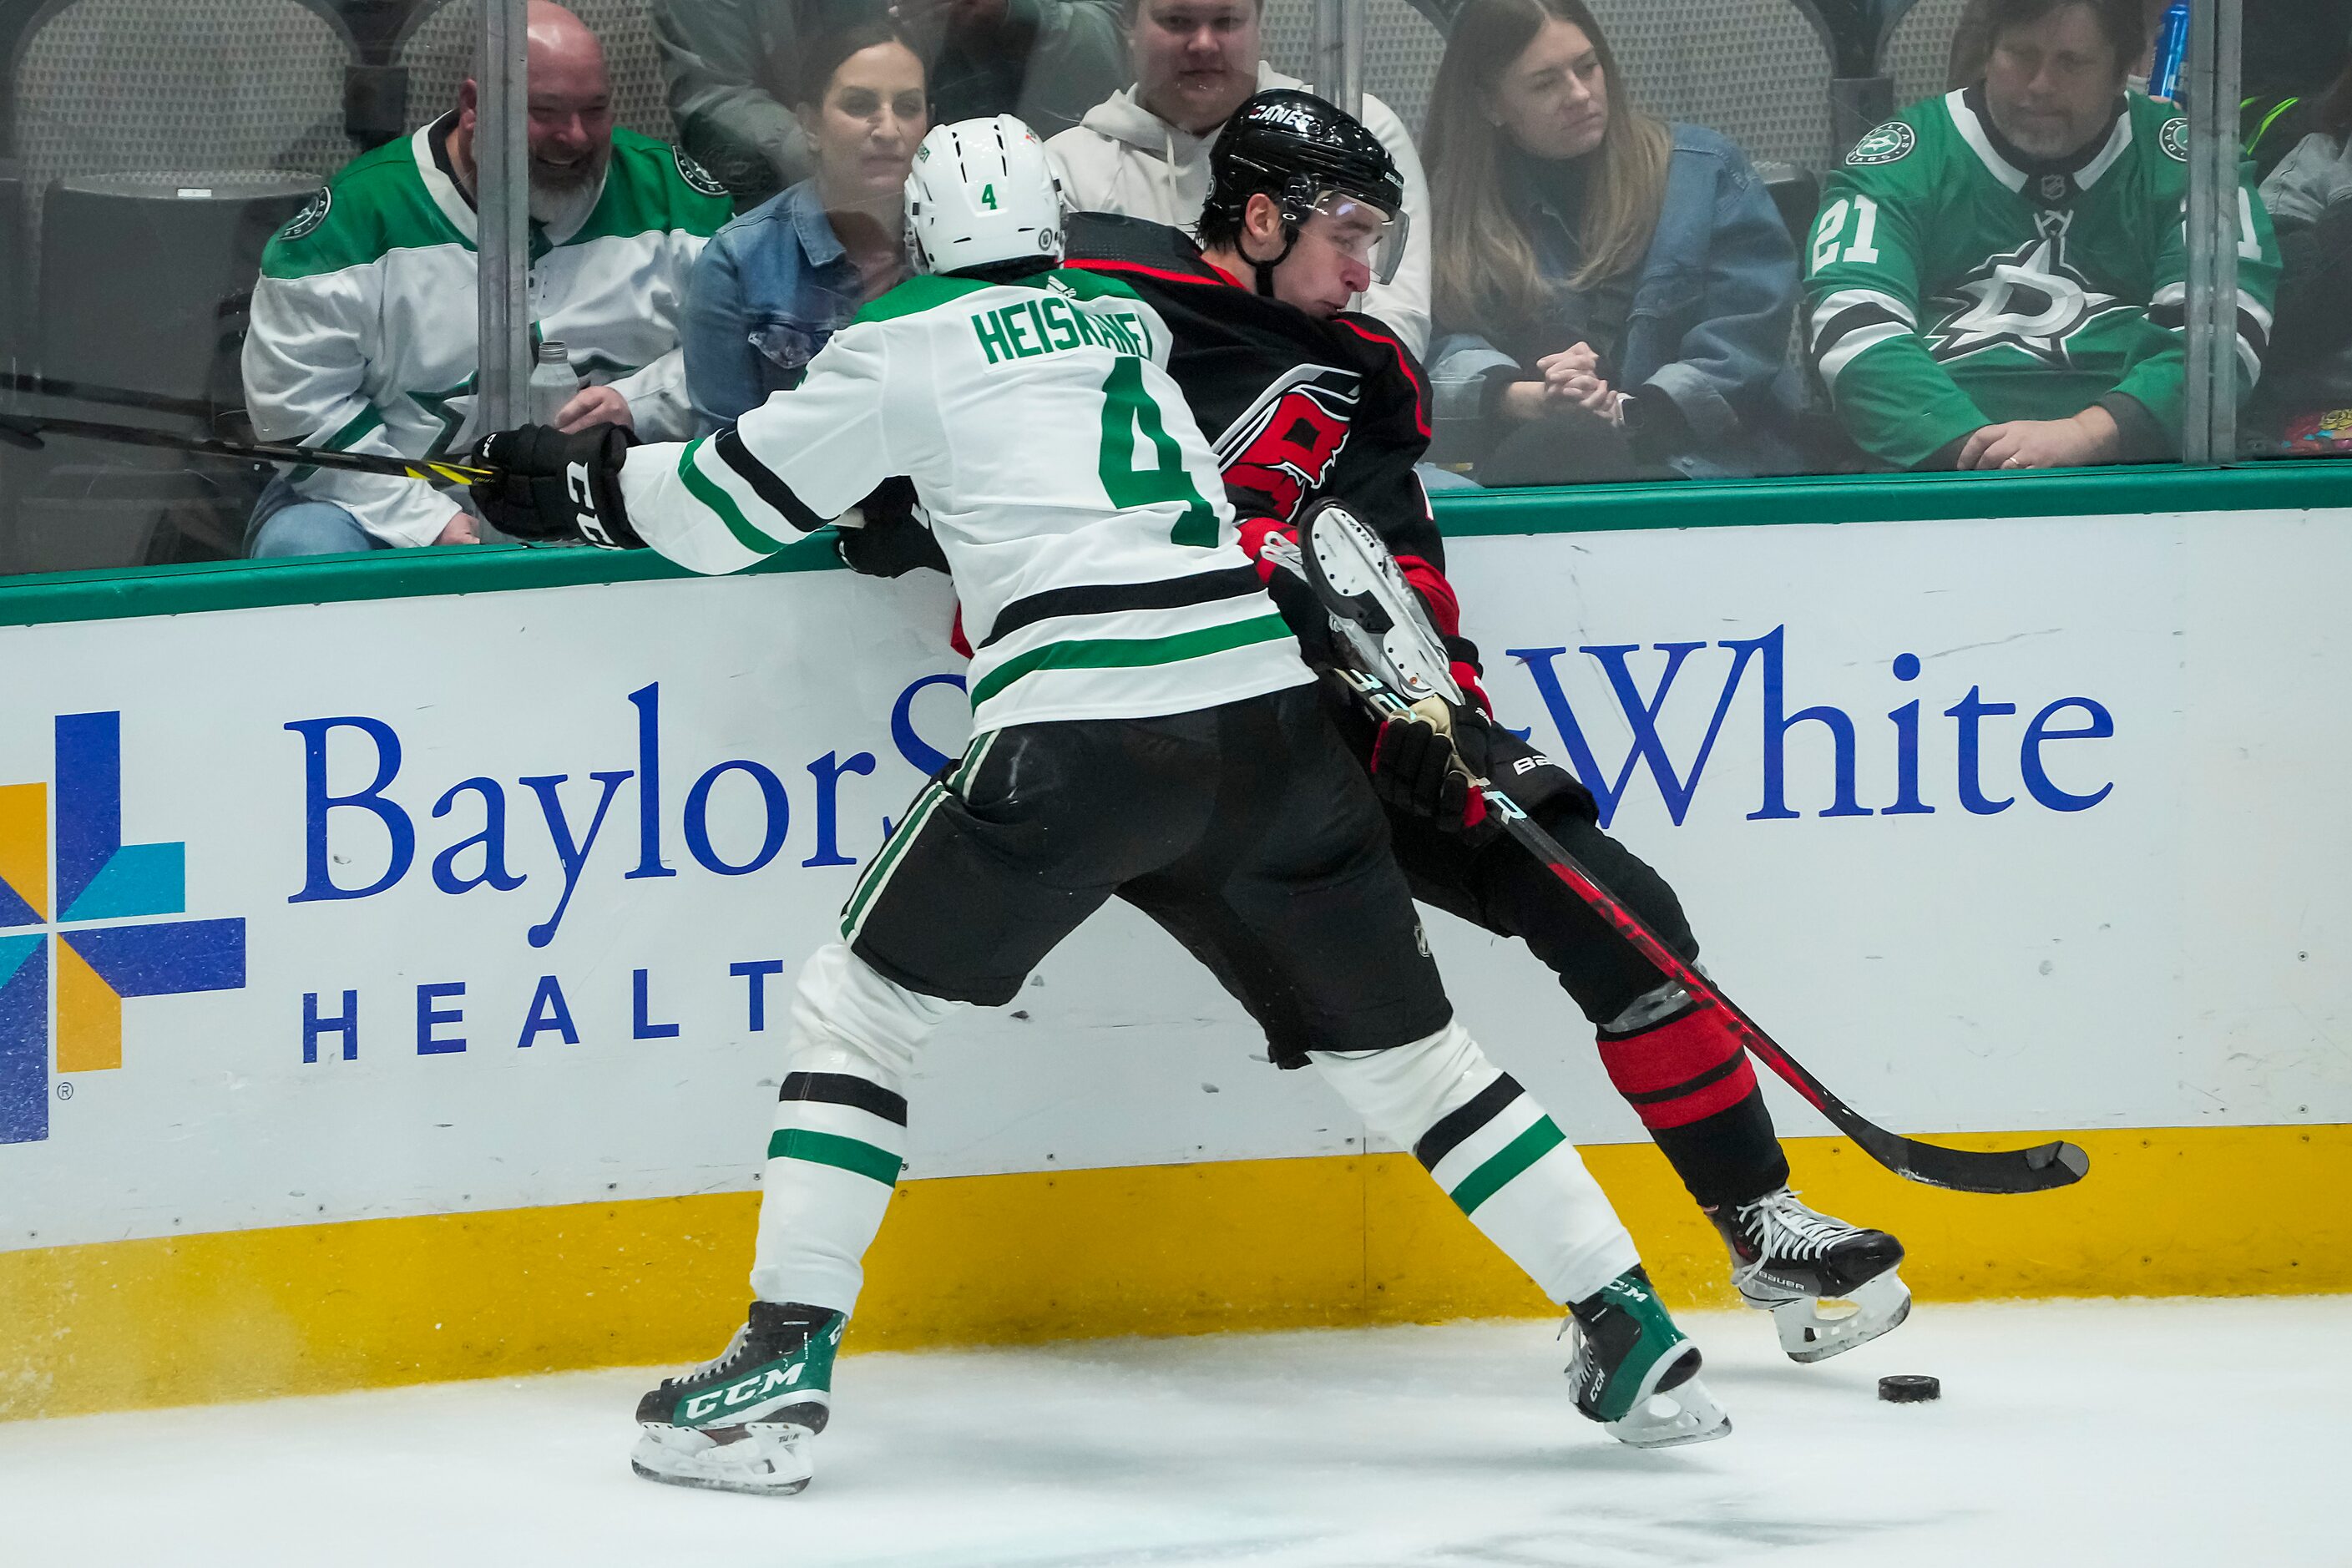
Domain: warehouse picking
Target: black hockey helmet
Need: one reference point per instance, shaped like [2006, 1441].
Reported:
[1306, 153]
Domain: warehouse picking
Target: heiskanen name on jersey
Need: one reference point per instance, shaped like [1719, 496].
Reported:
[1100, 572]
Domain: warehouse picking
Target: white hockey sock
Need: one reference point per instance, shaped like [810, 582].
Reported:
[1501, 1160]
[841, 1128]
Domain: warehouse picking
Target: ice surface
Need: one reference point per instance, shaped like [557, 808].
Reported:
[2076, 1435]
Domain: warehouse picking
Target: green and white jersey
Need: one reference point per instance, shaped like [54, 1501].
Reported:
[1079, 507]
[1950, 288]
[364, 334]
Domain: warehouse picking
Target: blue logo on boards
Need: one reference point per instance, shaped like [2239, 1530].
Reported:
[87, 938]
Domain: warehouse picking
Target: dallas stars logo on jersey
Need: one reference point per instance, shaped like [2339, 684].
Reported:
[1955, 282]
[2029, 298]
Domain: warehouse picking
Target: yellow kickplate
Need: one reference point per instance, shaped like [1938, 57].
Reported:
[1159, 1249]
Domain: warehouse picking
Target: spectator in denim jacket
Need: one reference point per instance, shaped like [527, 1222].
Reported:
[1614, 294]
[773, 286]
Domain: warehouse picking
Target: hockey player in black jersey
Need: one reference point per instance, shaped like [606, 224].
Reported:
[1304, 400]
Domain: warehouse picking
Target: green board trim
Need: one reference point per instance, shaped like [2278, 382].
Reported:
[123, 593]
[120, 592]
[1897, 497]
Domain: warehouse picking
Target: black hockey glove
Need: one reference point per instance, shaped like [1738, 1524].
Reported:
[554, 486]
[1423, 766]
[892, 543]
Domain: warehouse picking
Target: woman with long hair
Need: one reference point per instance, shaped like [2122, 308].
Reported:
[773, 286]
[1614, 293]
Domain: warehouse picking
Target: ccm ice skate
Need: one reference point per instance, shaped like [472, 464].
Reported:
[741, 1423]
[1633, 1370]
[1787, 1260]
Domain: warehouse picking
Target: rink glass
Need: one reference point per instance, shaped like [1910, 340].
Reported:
[156, 144]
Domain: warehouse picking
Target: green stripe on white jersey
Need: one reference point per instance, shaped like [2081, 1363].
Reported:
[1052, 456]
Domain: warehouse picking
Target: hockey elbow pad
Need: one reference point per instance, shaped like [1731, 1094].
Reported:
[553, 486]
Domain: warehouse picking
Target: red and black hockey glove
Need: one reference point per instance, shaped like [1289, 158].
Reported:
[1424, 768]
[552, 486]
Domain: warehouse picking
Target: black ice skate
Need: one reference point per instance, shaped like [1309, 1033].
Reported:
[1787, 1260]
[1633, 1370]
[741, 1423]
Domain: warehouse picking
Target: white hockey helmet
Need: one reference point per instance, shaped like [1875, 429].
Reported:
[982, 192]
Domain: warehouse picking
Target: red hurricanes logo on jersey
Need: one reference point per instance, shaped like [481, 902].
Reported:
[1284, 443]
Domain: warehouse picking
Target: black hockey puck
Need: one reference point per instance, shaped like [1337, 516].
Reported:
[1908, 1389]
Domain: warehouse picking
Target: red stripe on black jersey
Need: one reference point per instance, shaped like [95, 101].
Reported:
[1404, 364]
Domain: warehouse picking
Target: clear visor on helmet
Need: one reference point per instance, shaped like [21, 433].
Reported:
[1362, 228]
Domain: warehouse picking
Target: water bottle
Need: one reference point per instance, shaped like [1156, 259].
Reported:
[2171, 53]
[553, 382]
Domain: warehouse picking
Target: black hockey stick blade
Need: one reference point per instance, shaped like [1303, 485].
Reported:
[2040, 1169]
[18, 431]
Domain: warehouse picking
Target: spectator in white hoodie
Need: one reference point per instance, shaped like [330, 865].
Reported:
[1144, 151]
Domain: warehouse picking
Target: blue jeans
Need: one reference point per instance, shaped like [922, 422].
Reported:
[285, 524]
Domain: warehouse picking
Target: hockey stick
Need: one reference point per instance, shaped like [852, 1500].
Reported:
[2034, 1170]
[122, 397]
[27, 430]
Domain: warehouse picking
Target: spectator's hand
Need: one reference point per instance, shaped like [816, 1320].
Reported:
[1588, 395]
[1580, 360]
[2088, 437]
[1572, 381]
[594, 405]
[458, 529]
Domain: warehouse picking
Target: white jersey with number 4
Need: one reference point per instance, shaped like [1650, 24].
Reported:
[1078, 503]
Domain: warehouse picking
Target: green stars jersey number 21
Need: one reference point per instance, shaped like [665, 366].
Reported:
[1951, 288]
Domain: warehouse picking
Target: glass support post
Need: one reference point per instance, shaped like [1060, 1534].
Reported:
[501, 150]
[2209, 406]
[1338, 50]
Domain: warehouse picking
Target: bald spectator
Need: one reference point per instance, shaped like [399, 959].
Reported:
[1144, 151]
[734, 65]
[365, 320]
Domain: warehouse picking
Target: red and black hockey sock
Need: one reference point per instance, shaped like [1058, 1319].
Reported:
[1689, 1080]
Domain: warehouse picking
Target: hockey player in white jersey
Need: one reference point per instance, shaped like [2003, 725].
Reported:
[1144, 728]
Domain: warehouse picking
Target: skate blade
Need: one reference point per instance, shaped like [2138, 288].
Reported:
[1877, 1307]
[1683, 1415]
[765, 1461]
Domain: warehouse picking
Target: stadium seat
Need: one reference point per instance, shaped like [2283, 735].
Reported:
[163, 140]
[437, 47]
[1402, 48]
[1756, 71]
[1918, 52]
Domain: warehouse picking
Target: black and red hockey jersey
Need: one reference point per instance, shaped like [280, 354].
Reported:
[1298, 407]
